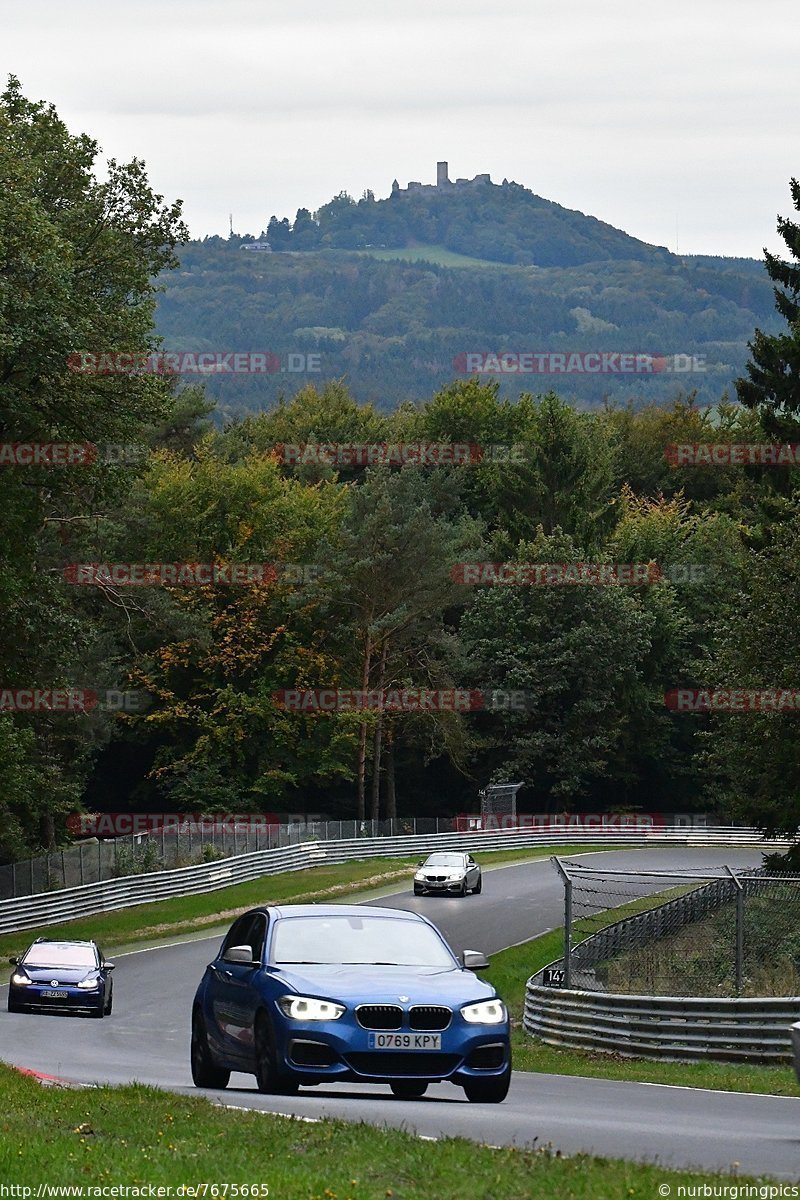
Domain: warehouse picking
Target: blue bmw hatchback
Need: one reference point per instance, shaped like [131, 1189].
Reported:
[325, 993]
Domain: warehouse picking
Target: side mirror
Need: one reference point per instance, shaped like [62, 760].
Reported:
[14, 961]
[108, 966]
[474, 960]
[240, 954]
[421, 862]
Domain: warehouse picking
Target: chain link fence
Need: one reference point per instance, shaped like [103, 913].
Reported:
[711, 932]
[95, 860]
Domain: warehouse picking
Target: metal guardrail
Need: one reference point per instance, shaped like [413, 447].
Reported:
[795, 1032]
[670, 1027]
[28, 912]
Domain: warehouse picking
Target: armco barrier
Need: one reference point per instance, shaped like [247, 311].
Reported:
[28, 912]
[669, 1027]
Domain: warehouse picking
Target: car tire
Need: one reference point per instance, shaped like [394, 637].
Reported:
[15, 1007]
[109, 1004]
[476, 891]
[205, 1073]
[463, 891]
[418, 890]
[269, 1078]
[409, 1089]
[488, 1091]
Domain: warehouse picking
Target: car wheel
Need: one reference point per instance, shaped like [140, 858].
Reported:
[109, 1004]
[204, 1073]
[476, 890]
[418, 890]
[15, 1007]
[463, 891]
[409, 1089]
[488, 1091]
[269, 1077]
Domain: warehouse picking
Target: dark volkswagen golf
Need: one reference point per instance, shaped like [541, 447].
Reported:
[326, 993]
[61, 975]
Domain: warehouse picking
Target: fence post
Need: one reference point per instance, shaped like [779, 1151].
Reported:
[739, 931]
[567, 920]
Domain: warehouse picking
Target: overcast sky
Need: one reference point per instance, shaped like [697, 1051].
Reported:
[678, 123]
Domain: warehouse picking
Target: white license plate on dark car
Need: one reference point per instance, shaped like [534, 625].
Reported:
[405, 1041]
[55, 995]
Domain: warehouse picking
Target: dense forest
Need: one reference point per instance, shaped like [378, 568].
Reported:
[398, 329]
[329, 575]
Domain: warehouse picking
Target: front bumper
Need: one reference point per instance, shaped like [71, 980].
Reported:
[69, 999]
[316, 1052]
[440, 886]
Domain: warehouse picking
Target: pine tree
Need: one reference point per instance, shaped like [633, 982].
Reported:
[773, 374]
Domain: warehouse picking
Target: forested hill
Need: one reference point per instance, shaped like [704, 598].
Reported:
[391, 295]
[501, 223]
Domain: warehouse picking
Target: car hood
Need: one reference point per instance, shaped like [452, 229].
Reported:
[384, 985]
[62, 974]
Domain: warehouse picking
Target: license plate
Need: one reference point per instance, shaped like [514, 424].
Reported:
[55, 995]
[405, 1041]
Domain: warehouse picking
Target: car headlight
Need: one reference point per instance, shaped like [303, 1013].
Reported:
[419, 875]
[20, 980]
[308, 1008]
[457, 878]
[89, 984]
[487, 1012]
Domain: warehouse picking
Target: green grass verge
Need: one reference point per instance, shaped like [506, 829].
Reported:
[139, 1136]
[186, 915]
[509, 971]
[434, 254]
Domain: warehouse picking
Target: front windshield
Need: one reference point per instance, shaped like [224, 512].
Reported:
[444, 860]
[358, 940]
[56, 954]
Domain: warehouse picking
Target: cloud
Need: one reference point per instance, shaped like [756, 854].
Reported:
[638, 115]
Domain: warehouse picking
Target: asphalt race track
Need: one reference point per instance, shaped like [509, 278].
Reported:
[147, 1039]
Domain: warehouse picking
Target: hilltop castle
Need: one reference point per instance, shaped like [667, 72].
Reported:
[443, 180]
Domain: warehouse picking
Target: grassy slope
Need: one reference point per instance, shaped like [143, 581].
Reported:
[141, 1136]
[435, 254]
